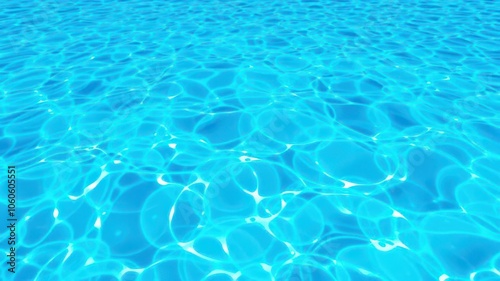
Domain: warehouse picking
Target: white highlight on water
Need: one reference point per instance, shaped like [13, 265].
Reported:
[97, 223]
[128, 269]
[70, 251]
[233, 276]
[89, 261]
[443, 277]
[93, 185]
[344, 211]
[223, 242]
[397, 214]
[388, 246]
[161, 181]
[348, 184]
[248, 158]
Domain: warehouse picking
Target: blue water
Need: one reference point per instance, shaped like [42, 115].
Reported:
[252, 140]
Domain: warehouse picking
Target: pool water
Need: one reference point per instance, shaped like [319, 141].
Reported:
[252, 140]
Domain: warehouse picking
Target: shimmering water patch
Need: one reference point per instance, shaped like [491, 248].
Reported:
[265, 140]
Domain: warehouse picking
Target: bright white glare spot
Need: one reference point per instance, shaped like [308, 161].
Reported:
[97, 223]
[126, 269]
[255, 195]
[172, 145]
[247, 158]
[117, 162]
[345, 211]
[161, 181]
[234, 276]
[224, 246]
[443, 277]
[266, 267]
[171, 214]
[364, 271]
[387, 247]
[95, 183]
[70, 251]
[200, 180]
[348, 184]
[89, 261]
[397, 214]
[56, 213]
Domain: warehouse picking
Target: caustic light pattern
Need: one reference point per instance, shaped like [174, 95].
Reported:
[252, 140]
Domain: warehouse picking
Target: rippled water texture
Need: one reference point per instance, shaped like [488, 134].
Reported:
[253, 140]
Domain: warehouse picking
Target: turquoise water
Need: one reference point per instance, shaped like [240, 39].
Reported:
[252, 140]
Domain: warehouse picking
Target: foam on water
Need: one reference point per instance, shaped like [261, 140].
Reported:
[253, 140]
